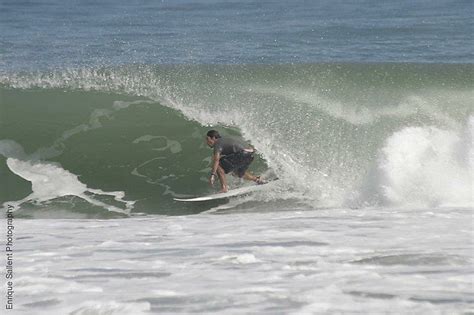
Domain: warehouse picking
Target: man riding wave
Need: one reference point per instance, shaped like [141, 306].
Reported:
[229, 155]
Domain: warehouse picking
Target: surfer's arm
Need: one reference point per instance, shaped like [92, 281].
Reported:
[217, 171]
[215, 163]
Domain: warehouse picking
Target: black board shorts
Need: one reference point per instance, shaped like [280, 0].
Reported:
[237, 162]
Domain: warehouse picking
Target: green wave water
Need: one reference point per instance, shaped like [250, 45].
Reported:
[126, 140]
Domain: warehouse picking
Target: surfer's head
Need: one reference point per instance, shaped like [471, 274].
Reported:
[211, 137]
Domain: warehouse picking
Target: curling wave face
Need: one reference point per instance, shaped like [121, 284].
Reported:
[115, 141]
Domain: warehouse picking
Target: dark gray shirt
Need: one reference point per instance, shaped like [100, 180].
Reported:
[226, 146]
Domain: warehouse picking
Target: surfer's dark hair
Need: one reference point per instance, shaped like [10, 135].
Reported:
[213, 134]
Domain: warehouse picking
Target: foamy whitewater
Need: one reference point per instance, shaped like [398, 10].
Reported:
[325, 261]
[364, 112]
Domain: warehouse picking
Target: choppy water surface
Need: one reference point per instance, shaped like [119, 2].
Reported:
[286, 262]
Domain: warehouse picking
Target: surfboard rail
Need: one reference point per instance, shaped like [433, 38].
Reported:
[231, 193]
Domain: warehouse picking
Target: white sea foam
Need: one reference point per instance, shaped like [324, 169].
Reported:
[111, 307]
[50, 181]
[427, 166]
[241, 259]
[172, 145]
[385, 261]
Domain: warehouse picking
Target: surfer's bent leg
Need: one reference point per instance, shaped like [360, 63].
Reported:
[250, 176]
[245, 159]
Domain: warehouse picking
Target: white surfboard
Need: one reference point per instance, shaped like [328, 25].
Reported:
[231, 193]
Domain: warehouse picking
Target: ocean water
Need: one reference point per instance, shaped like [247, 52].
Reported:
[364, 110]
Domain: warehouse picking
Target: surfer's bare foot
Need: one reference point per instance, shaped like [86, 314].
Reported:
[224, 189]
[259, 180]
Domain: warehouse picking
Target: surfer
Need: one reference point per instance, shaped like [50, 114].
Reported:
[229, 155]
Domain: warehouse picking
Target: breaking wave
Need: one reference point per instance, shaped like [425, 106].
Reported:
[125, 140]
